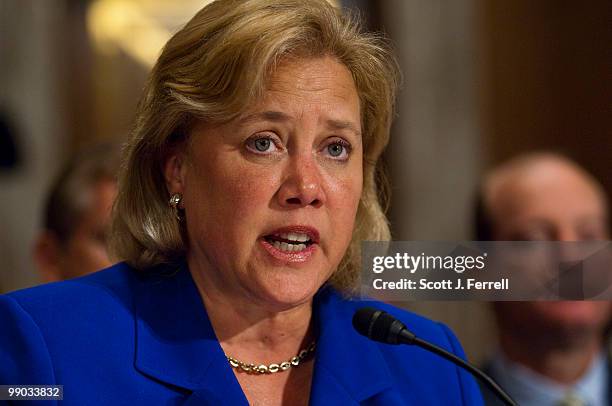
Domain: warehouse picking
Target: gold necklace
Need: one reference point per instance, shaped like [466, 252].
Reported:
[251, 368]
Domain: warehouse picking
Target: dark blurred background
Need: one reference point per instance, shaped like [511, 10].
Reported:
[483, 81]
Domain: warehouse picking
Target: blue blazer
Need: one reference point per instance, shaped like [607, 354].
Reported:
[122, 337]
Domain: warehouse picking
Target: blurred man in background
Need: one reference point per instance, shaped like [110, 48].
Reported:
[550, 353]
[77, 216]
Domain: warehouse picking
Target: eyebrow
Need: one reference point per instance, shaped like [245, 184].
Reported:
[279, 116]
[343, 125]
[276, 116]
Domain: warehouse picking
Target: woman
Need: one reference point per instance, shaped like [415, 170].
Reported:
[248, 184]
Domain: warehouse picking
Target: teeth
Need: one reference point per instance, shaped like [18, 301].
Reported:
[283, 246]
[298, 237]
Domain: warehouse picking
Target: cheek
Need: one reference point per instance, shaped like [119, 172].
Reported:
[252, 190]
[343, 201]
[243, 190]
[227, 198]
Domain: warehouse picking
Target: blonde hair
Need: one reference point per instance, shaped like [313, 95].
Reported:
[211, 70]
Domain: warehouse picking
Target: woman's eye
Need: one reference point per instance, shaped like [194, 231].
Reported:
[338, 150]
[335, 149]
[261, 145]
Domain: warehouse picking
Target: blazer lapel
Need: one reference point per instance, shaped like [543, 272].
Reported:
[349, 368]
[175, 342]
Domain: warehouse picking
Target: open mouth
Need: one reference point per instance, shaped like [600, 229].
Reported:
[290, 242]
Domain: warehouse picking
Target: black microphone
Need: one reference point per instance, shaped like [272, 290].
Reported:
[380, 326]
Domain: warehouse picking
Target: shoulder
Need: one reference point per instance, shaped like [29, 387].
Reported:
[111, 286]
[65, 317]
[80, 309]
[109, 279]
[52, 329]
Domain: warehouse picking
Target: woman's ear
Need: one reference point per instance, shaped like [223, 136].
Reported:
[174, 172]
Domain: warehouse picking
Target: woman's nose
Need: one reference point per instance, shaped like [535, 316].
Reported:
[302, 184]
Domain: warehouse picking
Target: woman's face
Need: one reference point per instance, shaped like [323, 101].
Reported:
[270, 198]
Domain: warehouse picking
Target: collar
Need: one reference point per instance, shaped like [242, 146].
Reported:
[176, 344]
[530, 388]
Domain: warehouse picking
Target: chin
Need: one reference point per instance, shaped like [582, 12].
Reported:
[283, 285]
[287, 290]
